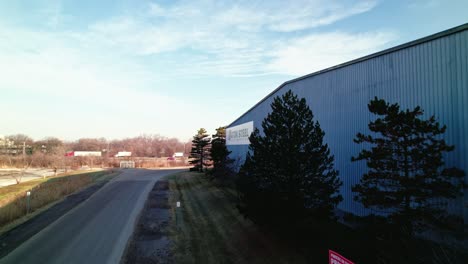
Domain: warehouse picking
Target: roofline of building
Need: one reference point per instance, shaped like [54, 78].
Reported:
[441, 34]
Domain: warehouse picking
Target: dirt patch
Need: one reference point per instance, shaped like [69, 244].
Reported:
[150, 242]
[16, 236]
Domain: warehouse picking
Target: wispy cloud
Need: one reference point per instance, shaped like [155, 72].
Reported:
[243, 39]
[292, 16]
[125, 58]
[319, 51]
[417, 4]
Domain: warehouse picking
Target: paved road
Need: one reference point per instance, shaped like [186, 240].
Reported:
[97, 230]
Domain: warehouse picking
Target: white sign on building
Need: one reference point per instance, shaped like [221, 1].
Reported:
[239, 135]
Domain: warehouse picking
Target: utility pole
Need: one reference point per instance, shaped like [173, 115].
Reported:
[107, 153]
[24, 154]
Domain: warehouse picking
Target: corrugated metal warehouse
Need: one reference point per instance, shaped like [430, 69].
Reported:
[431, 72]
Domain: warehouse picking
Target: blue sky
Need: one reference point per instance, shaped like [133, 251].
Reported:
[118, 69]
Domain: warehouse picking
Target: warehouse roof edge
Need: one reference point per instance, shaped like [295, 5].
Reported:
[441, 34]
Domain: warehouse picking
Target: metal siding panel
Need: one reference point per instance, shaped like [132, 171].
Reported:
[432, 74]
[462, 120]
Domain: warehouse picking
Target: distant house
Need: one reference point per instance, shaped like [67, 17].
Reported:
[123, 154]
[7, 146]
[87, 154]
[178, 155]
[5, 142]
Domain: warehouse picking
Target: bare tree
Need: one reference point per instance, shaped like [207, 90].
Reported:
[26, 164]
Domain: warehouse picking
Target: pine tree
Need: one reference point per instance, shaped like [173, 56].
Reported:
[200, 150]
[289, 170]
[406, 177]
[220, 155]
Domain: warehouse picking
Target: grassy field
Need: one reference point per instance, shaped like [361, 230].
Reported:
[13, 202]
[209, 229]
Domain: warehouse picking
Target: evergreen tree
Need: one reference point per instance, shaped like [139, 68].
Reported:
[288, 171]
[220, 154]
[406, 177]
[200, 150]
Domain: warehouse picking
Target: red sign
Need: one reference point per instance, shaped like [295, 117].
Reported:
[335, 258]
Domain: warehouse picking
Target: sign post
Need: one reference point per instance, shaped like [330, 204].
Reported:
[335, 258]
[28, 196]
[177, 214]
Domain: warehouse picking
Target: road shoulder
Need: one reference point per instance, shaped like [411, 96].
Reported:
[150, 241]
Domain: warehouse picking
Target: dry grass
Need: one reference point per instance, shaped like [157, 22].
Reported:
[11, 192]
[13, 200]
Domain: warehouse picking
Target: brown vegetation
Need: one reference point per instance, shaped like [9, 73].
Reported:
[141, 146]
[21, 151]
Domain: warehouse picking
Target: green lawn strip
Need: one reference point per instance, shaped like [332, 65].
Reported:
[233, 227]
[211, 230]
[178, 231]
[200, 239]
[214, 222]
[195, 238]
[242, 235]
[205, 243]
[249, 242]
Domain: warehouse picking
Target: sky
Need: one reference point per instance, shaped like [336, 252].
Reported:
[117, 69]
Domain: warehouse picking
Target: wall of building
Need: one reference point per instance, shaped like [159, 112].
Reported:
[431, 73]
